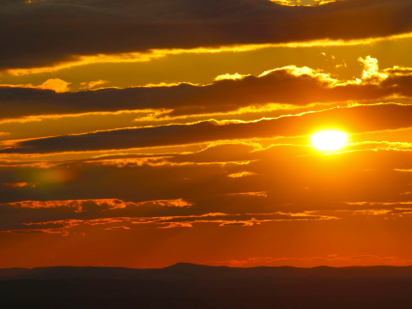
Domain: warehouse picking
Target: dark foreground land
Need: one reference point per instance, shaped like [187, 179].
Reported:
[196, 286]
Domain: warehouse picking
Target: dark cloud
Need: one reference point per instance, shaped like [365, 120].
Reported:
[352, 119]
[47, 32]
[186, 99]
[278, 86]
[294, 179]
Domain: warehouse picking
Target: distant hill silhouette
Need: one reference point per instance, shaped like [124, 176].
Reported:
[186, 271]
[198, 286]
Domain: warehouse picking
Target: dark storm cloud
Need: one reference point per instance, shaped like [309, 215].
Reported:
[47, 32]
[278, 86]
[353, 119]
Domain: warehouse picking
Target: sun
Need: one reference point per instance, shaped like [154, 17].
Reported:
[329, 140]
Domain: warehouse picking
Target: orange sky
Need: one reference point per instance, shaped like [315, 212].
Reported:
[143, 134]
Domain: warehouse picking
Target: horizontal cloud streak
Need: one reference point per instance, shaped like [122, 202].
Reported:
[55, 31]
[282, 189]
[165, 222]
[352, 119]
[224, 95]
[102, 204]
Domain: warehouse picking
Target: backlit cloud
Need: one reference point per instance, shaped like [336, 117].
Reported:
[19, 185]
[55, 84]
[184, 24]
[349, 119]
[272, 90]
[147, 133]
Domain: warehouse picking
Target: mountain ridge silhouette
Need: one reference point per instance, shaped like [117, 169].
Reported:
[188, 271]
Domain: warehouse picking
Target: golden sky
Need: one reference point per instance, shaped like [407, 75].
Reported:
[147, 133]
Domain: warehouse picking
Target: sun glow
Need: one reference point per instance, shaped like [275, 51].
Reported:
[329, 140]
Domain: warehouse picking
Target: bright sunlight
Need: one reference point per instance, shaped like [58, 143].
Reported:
[329, 140]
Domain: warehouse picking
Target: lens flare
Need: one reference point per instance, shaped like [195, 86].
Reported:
[329, 140]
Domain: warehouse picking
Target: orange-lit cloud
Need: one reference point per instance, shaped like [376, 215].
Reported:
[241, 174]
[176, 224]
[230, 76]
[332, 259]
[258, 194]
[55, 84]
[202, 148]
[209, 27]
[273, 90]
[167, 203]
[117, 228]
[166, 222]
[371, 72]
[93, 85]
[304, 2]
[403, 170]
[290, 125]
[104, 204]
[19, 185]
[155, 54]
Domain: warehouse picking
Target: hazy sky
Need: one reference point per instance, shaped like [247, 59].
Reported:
[142, 133]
